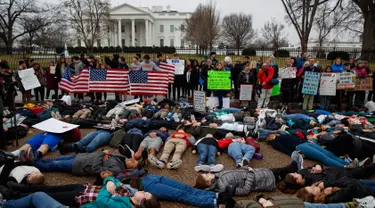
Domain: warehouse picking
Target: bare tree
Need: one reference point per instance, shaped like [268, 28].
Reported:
[301, 14]
[272, 33]
[89, 18]
[15, 12]
[237, 29]
[203, 28]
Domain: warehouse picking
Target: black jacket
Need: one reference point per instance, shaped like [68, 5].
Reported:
[235, 71]
[194, 76]
[247, 77]
[350, 189]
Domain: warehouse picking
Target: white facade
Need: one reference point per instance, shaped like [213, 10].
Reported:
[141, 26]
[331, 45]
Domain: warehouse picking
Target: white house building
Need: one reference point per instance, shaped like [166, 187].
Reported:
[142, 26]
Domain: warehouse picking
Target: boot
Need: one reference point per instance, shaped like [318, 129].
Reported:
[64, 148]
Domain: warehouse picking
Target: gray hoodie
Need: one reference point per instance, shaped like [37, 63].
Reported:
[93, 163]
[135, 67]
[78, 67]
[149, 66]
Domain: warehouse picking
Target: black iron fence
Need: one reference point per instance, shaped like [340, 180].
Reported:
[43, 55]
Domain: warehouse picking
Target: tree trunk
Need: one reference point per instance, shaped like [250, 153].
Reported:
[9, 46]
[368, 42]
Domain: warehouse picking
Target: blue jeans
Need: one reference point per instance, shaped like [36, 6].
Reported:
[35, 200]
[263, 133]
[60, 164]
[316, 152]
[370, 183]
[230, 110]
[94, 140]
[238, 151]
[297, 116]
[325, 101]
[207, 153]
[336, 205]
[164, 188]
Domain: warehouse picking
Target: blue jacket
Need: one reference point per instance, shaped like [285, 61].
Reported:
[300, 63]
[337, 68]
[135, 131]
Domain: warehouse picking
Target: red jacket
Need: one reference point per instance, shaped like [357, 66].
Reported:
[263, 78]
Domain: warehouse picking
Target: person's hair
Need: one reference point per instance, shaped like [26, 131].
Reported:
[246, 57]
[347, 64]
[75, 58]
[21, 62]
[179, 127]
[136, 57]
[212, 53]
[358, 63]
[200, 182]
[328, 67]
[345, 121]
[338, 58]
[37, 179]
[218, 63]
[253, 65]
[305, 195]
[165, 128]
[152, 202]
[122, 58]
[146, 57]
[159, 55]
[306, 64]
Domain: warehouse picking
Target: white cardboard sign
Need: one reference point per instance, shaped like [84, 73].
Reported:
[55, 126]
[29, 79]
[246, 92]
[179, 65]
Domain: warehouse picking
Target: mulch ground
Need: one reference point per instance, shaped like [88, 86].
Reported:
[185, 174]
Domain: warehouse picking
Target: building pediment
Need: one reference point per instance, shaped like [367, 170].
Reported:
[125, 9]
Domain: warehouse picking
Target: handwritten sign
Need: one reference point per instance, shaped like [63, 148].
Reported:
[29, 79]
[199, 101]
[246, 92]
[363, 84]
[219, 80]
[346, 81]
[310, 83]
[214, 102]
[54, 126]
[328, 82]
[179, 65]
[288, 73]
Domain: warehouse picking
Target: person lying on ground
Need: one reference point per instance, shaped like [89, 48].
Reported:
[289, 143]
[337, 191]
[87, 163]
[207, 148]
[241, 152]
[246, 180]
[178, 142]
[36, 200]
[39, 145]
[308, 176]
[162, 133]
[20, 172]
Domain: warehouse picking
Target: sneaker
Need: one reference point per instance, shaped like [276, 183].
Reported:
[216, 168]
[239, 165]
[126, 151]
[354, 164]
[202, 168]
[174, 164]
[29, 155]
[60, 146]
[245, 162]
[58, 116]
[296, 157]
[365, 162]
[156, 162]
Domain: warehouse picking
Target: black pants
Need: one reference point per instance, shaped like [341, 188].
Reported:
[64, 194]
[56, 93]
[39, 91]
[280, 173]
[169, 91]
[98, 96]
[365, 171]
[359, 98]
[2, 135]
[177, 87]
[133, 141]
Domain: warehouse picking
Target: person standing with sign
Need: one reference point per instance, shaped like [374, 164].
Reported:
[361, 73]
[204, 75]
[308, 99]
[248, 76]
[325, 100]
[265, 76]
[26, 94]
[220, 94]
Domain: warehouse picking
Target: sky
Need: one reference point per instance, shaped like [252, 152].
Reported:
[261, 10]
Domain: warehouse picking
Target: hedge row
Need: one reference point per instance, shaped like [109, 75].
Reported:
[119, 49]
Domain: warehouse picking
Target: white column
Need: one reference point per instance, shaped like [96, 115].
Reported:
[150, 40]
[119, 33]
[133, 32]
[147, 33]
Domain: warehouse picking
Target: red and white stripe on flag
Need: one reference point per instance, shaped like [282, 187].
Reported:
[168, 68]
[157, 84]
[78, 83]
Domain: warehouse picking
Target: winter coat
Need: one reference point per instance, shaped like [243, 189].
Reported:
[149, 66]
[194, 76]
[249, 77]
[52, 79]
[266, 77]
[337, 68]
[93, 163]
[78, 67]
[235, 71]
[40, 74]
[245, 181]
[349, 189]
[361, 73]
[277, 201]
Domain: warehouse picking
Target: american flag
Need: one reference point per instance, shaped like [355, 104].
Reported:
[168, 68]
[108, 80]
[74, 83]
[148, 83]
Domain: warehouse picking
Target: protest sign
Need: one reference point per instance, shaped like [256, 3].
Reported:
[129, 102]
[363, 84]
[328, 82]
[54, 126]
[219, 80]
[346, 81]
[310, 83]
[288, 73]
[29, 79]
[199, 101]
[276, 90]
[246, 92]
[179, 65]
[214, 102]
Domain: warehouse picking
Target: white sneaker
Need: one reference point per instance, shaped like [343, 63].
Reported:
[203, 168]
[216, 168]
